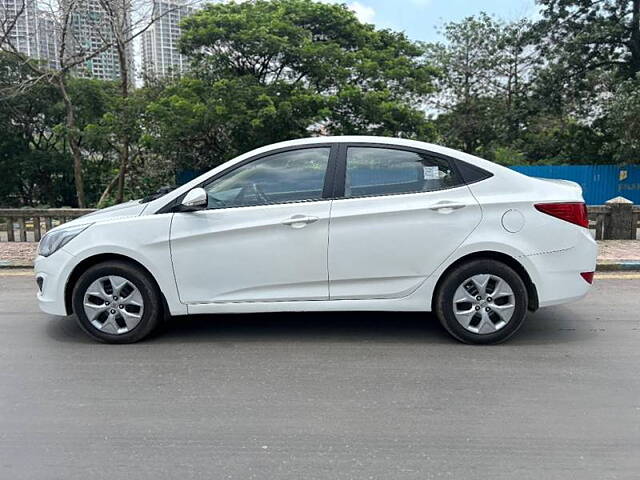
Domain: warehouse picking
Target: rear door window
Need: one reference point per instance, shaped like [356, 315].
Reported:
[372, 171]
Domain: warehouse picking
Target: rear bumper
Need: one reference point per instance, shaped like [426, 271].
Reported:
[53, 272]
[557, 274]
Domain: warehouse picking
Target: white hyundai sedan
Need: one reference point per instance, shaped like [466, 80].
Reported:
[328, 224]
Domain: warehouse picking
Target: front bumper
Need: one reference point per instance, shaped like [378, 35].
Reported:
[52, 272]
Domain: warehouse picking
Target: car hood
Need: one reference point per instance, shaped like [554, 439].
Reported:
[122, 210]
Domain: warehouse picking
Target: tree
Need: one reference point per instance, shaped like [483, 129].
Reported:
[31, 160]
[114, 24]
[588, 35]
[265, 71]
[622, 122]
[200, 123]
[483, 89]
[35, 155]
[591, 51]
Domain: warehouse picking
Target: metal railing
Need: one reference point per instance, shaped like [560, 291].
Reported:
[29, 224]
[599, 216]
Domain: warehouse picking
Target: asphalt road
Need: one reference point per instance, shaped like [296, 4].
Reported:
[335, 396]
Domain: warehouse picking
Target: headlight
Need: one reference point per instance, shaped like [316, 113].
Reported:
[56, 239]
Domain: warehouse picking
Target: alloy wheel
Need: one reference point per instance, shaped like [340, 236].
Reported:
[484, 304]
[113, 305]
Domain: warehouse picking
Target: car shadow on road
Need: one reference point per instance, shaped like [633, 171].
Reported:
[552, 326]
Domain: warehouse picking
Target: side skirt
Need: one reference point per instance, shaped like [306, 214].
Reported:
[408, 304]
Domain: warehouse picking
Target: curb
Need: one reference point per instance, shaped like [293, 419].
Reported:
[9, 264]
[618, 265]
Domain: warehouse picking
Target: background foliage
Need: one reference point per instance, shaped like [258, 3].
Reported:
[564, 89]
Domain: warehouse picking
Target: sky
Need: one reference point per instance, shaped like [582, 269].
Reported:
[421, 19]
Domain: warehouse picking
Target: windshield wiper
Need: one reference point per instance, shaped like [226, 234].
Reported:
[162, 191]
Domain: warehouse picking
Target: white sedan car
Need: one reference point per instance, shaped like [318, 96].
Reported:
[328, 224]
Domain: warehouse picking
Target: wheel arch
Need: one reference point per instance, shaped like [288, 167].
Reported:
[88, 262]
[532, 291]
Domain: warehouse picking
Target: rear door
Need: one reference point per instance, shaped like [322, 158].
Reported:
[398, 214]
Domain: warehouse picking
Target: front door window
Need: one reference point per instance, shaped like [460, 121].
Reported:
[285, 177]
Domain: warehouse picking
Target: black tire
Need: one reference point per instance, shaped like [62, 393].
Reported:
[152, 314]
[444, 307]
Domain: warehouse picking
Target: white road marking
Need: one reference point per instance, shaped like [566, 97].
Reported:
[15, 272]
[617, 275]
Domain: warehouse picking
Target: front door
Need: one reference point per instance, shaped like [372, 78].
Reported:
[263, 237]
[403, 213]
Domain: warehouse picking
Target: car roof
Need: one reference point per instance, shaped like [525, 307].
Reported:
[402, 142]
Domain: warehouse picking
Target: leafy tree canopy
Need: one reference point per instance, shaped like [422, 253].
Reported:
[585, 35]
[298, 66]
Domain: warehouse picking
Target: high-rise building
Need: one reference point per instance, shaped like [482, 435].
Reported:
[89, 31]
[19, 17]
[32, 31]
[48, 38]
[160, 54]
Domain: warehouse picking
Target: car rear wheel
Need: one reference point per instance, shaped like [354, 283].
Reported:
[482, 302]
[117, 302]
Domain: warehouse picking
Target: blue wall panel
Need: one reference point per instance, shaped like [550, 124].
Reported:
[599, 182]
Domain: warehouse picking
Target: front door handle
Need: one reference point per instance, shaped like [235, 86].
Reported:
[447, 207]
[299, 221]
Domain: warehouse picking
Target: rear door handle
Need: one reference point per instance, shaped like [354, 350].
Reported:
[299, 221]
[447, 207]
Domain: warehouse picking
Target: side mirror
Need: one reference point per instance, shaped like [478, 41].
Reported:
[195, 199]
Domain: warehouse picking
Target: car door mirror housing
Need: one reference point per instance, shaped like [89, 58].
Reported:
[195, 199]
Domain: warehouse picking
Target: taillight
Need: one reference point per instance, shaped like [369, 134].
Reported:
[588, 277]
[569, 212]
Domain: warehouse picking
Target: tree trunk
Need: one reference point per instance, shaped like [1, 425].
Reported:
[74, 142]
[108, 190]
[124, 90]
[124, 161]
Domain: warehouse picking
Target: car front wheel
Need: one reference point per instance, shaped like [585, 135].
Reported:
[482, 302]
[117, 302]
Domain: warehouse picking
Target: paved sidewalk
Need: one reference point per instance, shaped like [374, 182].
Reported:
[613, 254]
[619, 250]
[618, 255]
[17, 254]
